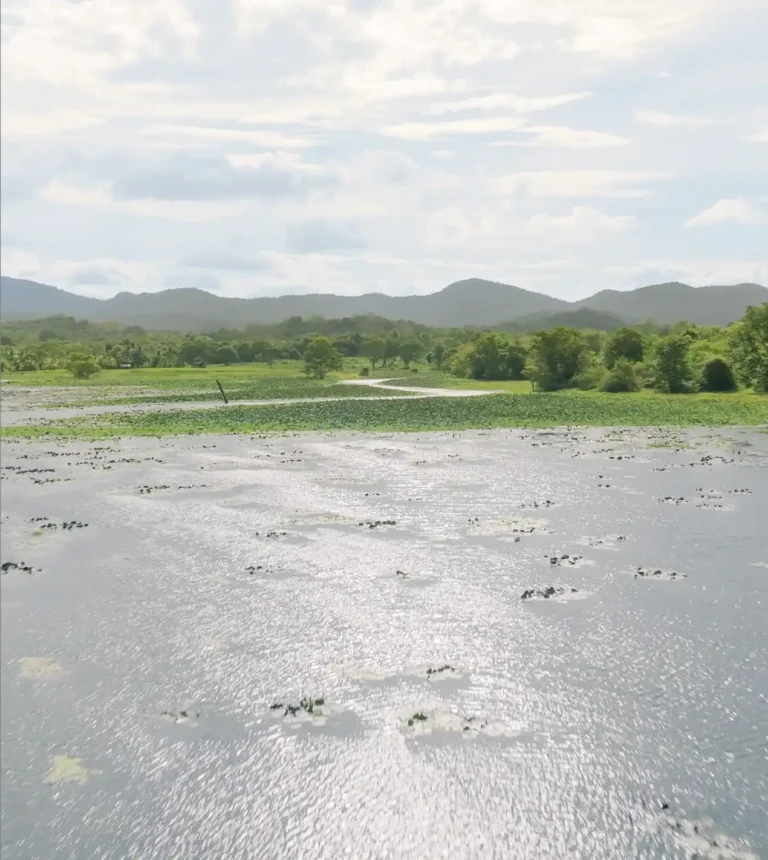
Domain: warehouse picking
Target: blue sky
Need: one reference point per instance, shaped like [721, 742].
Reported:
[259, 148]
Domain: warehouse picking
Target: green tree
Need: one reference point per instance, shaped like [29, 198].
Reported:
[270, 355]
[321, 357]
[555, 358]
[410, 350]
[391, 345]
[623, 343]
[716, 375]
[438, 354]
[226, 355]
[83, 365]
[671, 371]
[748, 347]
[373, 349]
[621, 378]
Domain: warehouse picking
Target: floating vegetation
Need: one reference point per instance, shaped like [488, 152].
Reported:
[548, 592]
[436, 413]
[185, 717]
[67, 769]
[69, 526]
[308, 709]
[658, 573]
[436, 720]
[13, 565]
[40, 669]
[564, 559]
[440, 670]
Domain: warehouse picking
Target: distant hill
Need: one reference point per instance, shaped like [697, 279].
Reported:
[470, 302]
[667, 303]
[581, 318]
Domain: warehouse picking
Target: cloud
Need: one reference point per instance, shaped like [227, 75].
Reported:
[225, 261]
[651, 117]
[452, 226]
[199, 281]
[736, 209]
[322, 235]
[208, 178]
[188, 135]
[580, 225]
[562, 136]
[162, 138]
[432, 130]
[578, 183]
[93, 275]
[100, 197]
[511, 101]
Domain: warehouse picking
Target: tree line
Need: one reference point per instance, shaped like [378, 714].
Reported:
[675, 359]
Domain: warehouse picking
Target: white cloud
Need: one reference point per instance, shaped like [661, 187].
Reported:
[736, 209]
[510, 101]
[562, 136]
[441, 130]
[431, 130]
[582, 224]
[652, 117]
[100, 197]
[578, 183]
[451, 226]
[186, 135]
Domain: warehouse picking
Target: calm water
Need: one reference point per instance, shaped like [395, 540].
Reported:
[559, 729]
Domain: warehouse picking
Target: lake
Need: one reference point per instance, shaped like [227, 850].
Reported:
[190, 600]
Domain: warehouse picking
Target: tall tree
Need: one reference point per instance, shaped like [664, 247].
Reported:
[555, 358]
[623, 343]
[748, 346]
[671, 370]
[321, 357]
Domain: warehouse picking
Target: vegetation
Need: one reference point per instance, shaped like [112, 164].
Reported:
[642, 369]
[503, 410]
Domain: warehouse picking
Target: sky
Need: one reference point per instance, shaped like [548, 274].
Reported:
[264, 147]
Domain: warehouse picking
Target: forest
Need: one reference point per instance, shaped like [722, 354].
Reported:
[675, 359]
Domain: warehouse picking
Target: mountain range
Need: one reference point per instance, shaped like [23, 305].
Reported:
[474, 302]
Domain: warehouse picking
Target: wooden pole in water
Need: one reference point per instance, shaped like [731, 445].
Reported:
[222, 391]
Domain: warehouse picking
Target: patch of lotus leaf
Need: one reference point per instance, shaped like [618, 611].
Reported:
[695, 838]
[12, 565]
[509, 526]
[546, 593]
[66, 769]
[658, 573]
[440, 670]
[307, 705]
[40, 669]
[547, 503]
[69, 526]
[608, 542]
[565, 559]
[185, 717]
[375, 524]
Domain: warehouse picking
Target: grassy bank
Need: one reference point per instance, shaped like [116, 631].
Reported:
[407, 414]
[284, 380]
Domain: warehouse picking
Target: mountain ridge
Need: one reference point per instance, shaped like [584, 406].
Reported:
[473, 301]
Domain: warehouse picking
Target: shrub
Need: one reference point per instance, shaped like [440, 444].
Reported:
[621, 378]
[365, 371]
[590, 378]
[82, 365]
[716, 375]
